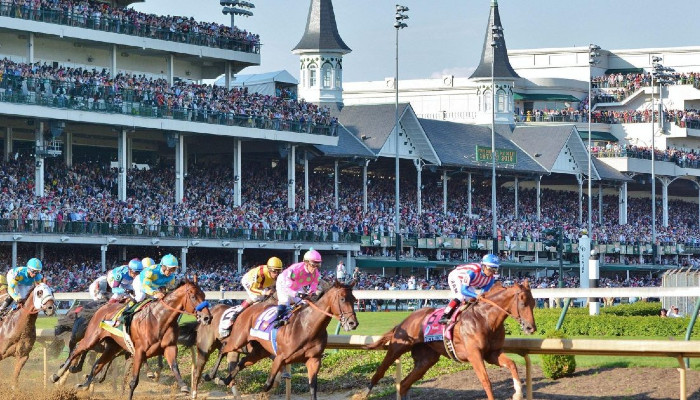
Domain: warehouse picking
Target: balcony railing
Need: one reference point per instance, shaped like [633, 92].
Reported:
[69, 95]
[117, 24]
[680, 159]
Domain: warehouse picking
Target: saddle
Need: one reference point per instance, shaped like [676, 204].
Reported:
[448, 331]
[284, 319]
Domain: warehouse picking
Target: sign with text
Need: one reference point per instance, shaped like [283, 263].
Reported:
[503, 156]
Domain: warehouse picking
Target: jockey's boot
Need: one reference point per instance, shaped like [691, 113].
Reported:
[5, 306]
[449, 310]
[279, 319]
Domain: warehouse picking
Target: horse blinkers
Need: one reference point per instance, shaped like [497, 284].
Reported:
[47, 302]
[346, 310]
[201, 310]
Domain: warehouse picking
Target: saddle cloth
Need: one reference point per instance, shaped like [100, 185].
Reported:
[433, 331]
[264, 329]
[225, 321]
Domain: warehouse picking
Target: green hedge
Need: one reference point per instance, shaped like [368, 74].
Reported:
[633, 320]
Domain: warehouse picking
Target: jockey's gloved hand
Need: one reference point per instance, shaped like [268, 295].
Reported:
[303, 295]
[267, 291]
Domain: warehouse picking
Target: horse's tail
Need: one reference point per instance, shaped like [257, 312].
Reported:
[383, 341]
[188, 334]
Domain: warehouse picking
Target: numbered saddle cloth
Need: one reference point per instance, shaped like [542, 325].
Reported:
[264, 328]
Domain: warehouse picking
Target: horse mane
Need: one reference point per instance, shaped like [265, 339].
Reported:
[327, 286]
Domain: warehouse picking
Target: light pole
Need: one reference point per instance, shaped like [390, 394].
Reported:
[233, 10]
[662, 76]
[592, 60]
[398, 24]
[496, 34]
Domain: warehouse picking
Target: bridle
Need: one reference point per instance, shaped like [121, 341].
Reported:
[189, 296]
[516, 317]
[342, 318]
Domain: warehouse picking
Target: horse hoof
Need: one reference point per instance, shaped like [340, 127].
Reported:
[184, 389]
[82, 386]
[235, 393]
[207, 378]
[55, 378]
[518, 396]
[218, 381]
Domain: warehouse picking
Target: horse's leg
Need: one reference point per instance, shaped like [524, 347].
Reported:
[202, 358]
[111, 350]
[78, 366]
[155, 375]
[19, 363]
[277, 365]
[83, 346]
[171, 355]
[475, 358]
[423, 358]
[501, 359]
[137, 360]
[212, 374]
[105, 371]
[312, 367]
[394, 351]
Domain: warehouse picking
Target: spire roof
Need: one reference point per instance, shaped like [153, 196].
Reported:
[321, 30]
[501, 65]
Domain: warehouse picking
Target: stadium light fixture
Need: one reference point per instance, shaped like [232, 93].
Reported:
[236, 7]
[496, 36]
[593, 55]
[398, 24]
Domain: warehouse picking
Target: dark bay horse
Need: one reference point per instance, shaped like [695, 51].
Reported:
[302, 339]
[478, 336]
[154, 331]
[18, 328]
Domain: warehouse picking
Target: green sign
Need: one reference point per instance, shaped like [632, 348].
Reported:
[503, 156]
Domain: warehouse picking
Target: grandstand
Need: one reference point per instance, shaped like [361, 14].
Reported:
[223, 176]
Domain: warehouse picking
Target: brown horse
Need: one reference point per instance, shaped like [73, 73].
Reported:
[154, 331]
[478, 336]
[302, 339]
[18, 329]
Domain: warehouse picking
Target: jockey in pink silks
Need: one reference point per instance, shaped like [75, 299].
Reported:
[297, 281]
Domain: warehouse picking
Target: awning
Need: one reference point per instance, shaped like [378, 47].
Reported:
[598, 135]
[544, 97]
[624, 71]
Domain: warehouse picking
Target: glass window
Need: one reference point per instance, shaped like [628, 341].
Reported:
[338, 78]
[502, 105]
[326, 71]
[312, 77]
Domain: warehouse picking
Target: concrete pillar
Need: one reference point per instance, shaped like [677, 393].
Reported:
[179, 173]
[444, 192]
[623, 204]
[123, 251]
[183, 259]
[129, 153]
[14, 253]
[237, 177]
[239, 260]
[103, 257]
[336, 171]
[113, 66]
[665, 182]
[593, 276]
[307, 188]
[538, 186]
[579, 178]
[41, 251]
[364, 187]
[39, 160]
[297, 253]
[68, 149]
[228, 74]
[291, 177]
[516, 188]
[123, 170]
[348, 266]
[469, 194]
[600, 205]
[419, 183]
[8, 143]
[30, 48]
[171, 69]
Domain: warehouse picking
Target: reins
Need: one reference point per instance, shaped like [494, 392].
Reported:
[317, 308]
[491, 302]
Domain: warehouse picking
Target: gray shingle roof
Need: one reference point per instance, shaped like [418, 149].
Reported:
[608, 173]
[545, 140]
[502, 67]
[456, 143]
[348, 146]
[321, 30]
[374, 122]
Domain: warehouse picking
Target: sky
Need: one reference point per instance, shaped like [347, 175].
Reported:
[446, 36]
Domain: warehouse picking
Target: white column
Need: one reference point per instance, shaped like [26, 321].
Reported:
[179, 167]
[14, 253]
[30, 48]
[444, 192]
[103, 257]
[68, 149]
[183, 259]
[579, 178]
[121, 157]
[239, 260]
[419, 183]
[364, 187]
[623, 204]
[171, 69]
[237, 177]
[538, 186]
[8, 143]
[336, 171]
[291, 177]
[39, 160]
[228, 73]
[113, 67]
[516, 187]
[593, 276]
[469, 194]
[307, 188]
[664, 198]
[129, 153]
[297, 253]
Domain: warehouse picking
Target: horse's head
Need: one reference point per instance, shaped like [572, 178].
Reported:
[523, 306]
[42, 299]
[342, 304]
[195, 301]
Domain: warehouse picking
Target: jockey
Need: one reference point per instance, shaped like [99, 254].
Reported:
[259, 283]
[150, 283]
[294, 280]
[465, 279]
[21, 280]
[99, 289]
[121, 279]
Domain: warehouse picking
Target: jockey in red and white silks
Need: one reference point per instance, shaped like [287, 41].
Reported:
[465, 279]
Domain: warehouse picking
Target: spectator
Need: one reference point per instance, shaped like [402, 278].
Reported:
[340, 272]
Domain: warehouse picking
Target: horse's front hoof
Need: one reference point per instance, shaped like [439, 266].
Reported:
[151, 375]
[83, 386]
[184, 389]
[518, 396]
[55, 378]
[207, 378]
[73, 370]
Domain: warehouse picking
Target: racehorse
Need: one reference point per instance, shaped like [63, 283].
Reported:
[478, 336]
[18, 328]
[154, 331]
[302, 339]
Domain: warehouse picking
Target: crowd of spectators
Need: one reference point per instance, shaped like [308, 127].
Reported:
[685, 158]
[101, 16]
[125, 92]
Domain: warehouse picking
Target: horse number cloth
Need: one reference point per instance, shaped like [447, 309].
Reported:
[264, 329]
[432, 329]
